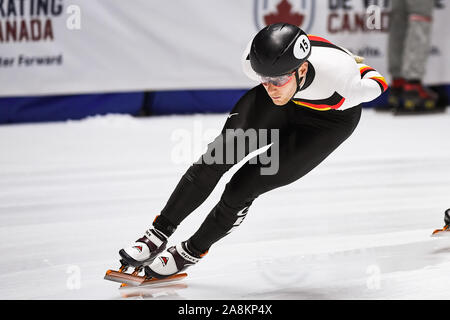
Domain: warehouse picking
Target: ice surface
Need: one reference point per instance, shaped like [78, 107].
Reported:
[357, 227]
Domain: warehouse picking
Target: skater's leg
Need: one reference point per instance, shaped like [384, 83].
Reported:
[254, 110]
[308, 144]
[396, 38]
[417, 39]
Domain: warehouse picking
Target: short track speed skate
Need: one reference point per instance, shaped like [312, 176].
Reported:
[172, 261]
[134, 279]
[138, 256]
[445, 231]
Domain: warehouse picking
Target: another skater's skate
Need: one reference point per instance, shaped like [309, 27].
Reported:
[172, 261]
[394, 100]
[444, 232]
[417, 99]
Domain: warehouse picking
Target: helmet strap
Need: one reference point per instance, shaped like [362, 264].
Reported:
[297, 78]
[299, 81]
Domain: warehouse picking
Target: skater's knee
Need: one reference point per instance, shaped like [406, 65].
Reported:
[239, 195]
[205, 175]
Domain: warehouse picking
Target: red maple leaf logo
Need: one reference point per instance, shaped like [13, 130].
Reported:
[284, 14]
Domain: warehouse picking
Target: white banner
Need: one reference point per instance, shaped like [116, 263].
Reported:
[84, 46]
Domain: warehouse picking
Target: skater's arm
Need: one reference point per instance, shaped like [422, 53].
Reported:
[365, 85]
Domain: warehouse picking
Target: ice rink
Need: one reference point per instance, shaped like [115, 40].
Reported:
[357, 227]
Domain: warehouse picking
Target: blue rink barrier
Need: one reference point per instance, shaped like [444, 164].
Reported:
[67, 107]
[192, 101]
[73, 107]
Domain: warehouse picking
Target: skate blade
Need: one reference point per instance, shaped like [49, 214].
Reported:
[124, 278]
[127, 279]
[441, 233]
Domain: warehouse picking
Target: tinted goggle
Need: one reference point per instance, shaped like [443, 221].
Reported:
[278, 81]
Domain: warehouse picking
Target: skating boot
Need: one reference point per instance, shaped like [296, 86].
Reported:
[417, 99]
[144, 250]
[446, 230]
[139, 255]
[172, 261]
